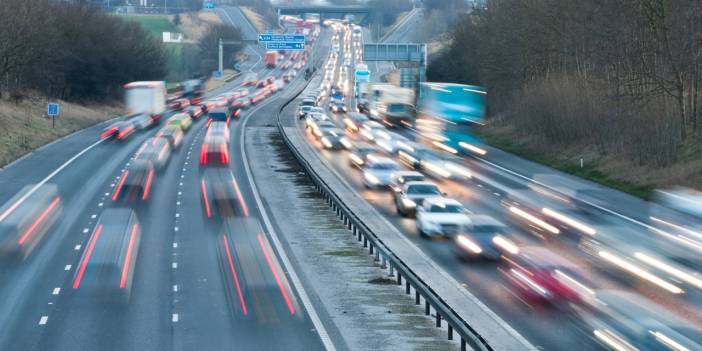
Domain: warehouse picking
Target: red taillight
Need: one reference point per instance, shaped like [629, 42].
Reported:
[129, 258]
[203, 154]
[209, 121]
[119, 185]
[208, 211]
[147, 186]
[224, 154]
[107, 133]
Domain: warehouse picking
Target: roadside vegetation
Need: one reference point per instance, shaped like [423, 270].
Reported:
[262, 8]
[616, 83]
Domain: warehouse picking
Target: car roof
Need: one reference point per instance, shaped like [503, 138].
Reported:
[408, 173]
[382, 159]
[481, 219]
[421, 183]
[543, 256]
[373, 124]
[218, 110]
[437, 200]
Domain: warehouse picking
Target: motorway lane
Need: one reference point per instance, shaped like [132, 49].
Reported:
[545, 327]
[39, 311]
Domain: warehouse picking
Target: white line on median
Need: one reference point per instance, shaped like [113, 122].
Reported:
[43, 320]
[319, 326]
[43, 181]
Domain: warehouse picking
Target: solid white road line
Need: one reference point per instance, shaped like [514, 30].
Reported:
[55, 172]
[319, 326]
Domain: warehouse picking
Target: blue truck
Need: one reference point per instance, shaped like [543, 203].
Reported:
[447, 113]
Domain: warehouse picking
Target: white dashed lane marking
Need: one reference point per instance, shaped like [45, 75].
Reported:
[67, 268]
[56, 291]
[43, 320]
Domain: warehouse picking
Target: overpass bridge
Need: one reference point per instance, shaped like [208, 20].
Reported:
[326, 12]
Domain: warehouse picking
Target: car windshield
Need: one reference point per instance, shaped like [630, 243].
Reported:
[384, 166]
[424, 189]
[445, 208]
[412, 178]
[487, 229]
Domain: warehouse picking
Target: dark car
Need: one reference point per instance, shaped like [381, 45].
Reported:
[135, 182]
[412, 194]
[221, 114]
[487, 238]
[106, 269]
[195, 111]
[220, 194]
[359, 153]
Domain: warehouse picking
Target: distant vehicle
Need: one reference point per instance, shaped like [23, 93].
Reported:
[220, 194]
[270, 58]
[118, 130]
[540, 276]
[302, 111]
[214, 151]
[241, 103]
[391, 104]
[412, 194]
[193, 90]
[182, 120]
[371, 129]
[621, 320]
[194, 111]
[106, 269]
[135, 182]
[146, 98]
[173, 134]
[360, 152]
[334, 139]
[377, 172]
[486, 238]
[156, 150]
[222, 114]
[361, 79]
[218, 128]
[439, 216]
[354, 121]
[400, 178]
[319, 127]
[449, 112]
[179, 104]
[337, 107]
[26, 218]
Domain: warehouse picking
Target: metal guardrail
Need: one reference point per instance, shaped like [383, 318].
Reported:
[376, 247]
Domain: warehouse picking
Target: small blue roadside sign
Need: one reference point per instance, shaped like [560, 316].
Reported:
[217, 74]
[237, 66]
[285, 46]
[209, 5]
[53, 109]
[289, 38]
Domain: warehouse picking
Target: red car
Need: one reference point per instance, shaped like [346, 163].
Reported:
[261, 84]
[270, 79]
[250, 82]
[214, 150]
[195, 111]
[179, 104]
[540, 276]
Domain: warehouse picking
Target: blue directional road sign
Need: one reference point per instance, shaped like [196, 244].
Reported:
[53, 109]
[288, 38]
[209, 5]
[285, 46]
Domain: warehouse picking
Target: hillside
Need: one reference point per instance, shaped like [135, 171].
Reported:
[25, 128]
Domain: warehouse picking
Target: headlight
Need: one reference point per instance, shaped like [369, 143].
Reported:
[408, 203]
[356, 159]
[505, 244]
[468, 244]
[374, 113]
[371, 178]
[326, 142]
[345, 142]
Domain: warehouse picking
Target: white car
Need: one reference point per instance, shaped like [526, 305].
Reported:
[371, 130]
[378, 171]
[392, 145]
[439, 216]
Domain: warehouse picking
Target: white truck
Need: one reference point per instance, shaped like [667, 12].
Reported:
[145, 102]
[391, 104]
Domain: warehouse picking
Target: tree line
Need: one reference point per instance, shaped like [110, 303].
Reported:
[72, 51]
[622, 77]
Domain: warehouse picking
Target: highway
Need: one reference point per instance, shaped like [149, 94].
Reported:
[203, 279]
[192, 289]
[544, 326]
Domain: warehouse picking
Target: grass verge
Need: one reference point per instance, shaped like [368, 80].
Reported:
[154, 24]
[591, 171]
